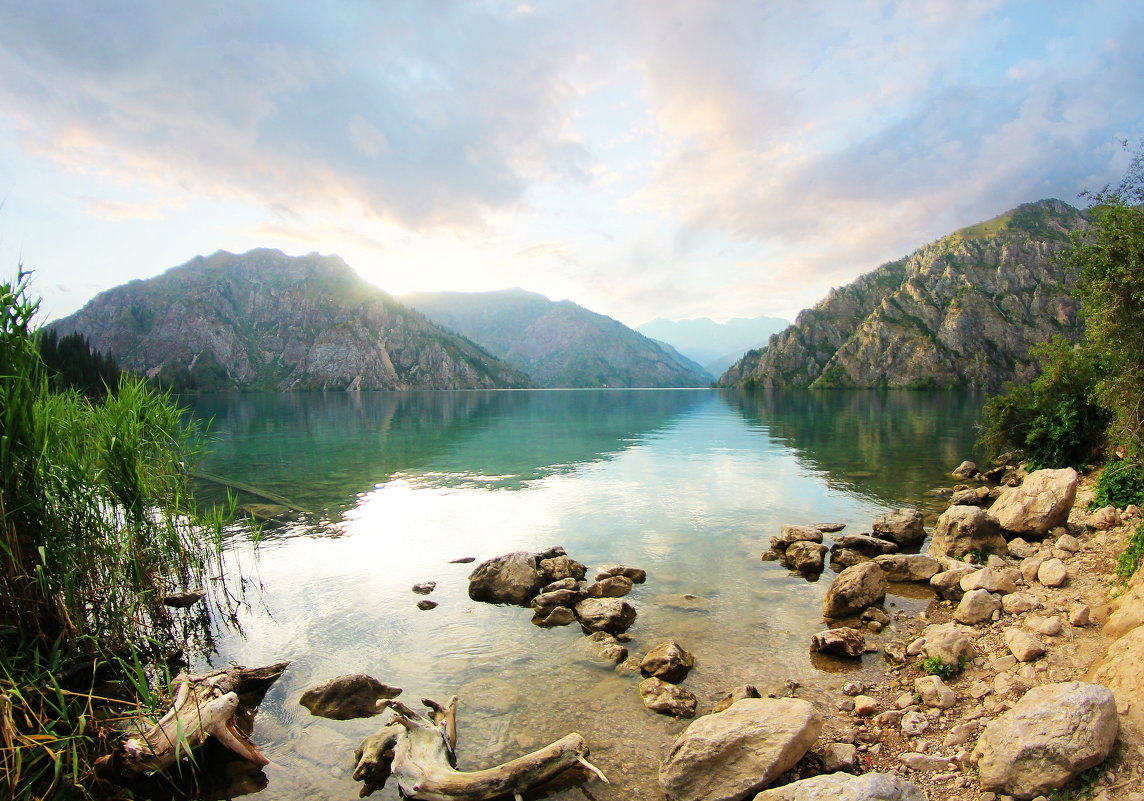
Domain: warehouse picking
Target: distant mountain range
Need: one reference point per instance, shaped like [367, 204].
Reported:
[714, 345]
[962, 311]
[558, 343]
[264, 320]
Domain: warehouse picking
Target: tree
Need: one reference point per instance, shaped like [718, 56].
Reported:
[1110, 260]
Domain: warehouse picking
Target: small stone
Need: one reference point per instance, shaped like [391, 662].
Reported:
[980, 689]
[1052, 573]
[1079, 615]
[923, 762]
[1003, 663]
[1029, 568]
[1050, 626]
[976, 606]
[960, 734]
[1067, 542]
[1018, 602]
[914, 723]
[864, 705]
[846, 642]
[668, 699]
[916, 647]
[999, 581]
[839, 757]
[424, 587]
[425, 605]
[935, 692]
[1024, 646]
[904, 701]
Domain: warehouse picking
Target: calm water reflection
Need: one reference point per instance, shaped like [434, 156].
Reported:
[689, 484]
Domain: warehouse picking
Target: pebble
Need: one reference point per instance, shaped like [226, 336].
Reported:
[922, 762]
[914, 723]
[1052, 573]
[1079, 615]
[865, 705]
[1050, 626]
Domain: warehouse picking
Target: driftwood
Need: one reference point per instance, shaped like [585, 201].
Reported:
[420, 752]
[204, 706]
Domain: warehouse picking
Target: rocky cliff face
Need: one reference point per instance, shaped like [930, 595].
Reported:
[559, 344]
[264, 320]
[962, 311]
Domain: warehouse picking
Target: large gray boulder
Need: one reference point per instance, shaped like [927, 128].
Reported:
[962, 529]
[1053, 733]
[509, 579]
[853, 590]
[846, 787]
[605, 614]
[864, 544]
[1041, 503]
[739, 751]
[904, 526]
[805, 557]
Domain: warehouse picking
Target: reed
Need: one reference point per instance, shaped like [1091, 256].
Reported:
[96, 525]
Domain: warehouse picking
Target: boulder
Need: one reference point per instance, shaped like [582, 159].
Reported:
[978, 496]
[562, 567]
[1041, 503]
[935, 692]
[845, 557]
[508, 579]
[1052, 573]
[949, 642]
[846, 787]
[947, 583]
[603, 647]
[1018, 602]
[829, 528]
[738, 752]
[354, 695]
[840, 642]
[1002, 581]
[976, 606]
[965, 470]
[962, 529]
[1052, 734]
[864, 544]
[547, 601]
[605, 614]
[908, 566]
[1128, 609]
[636, 574]
[853, 590]
[562, 584]
[424, 587]
[668, 699]
[610, 587]
[553, 617]
[1105, 518]
[668, 661]
[792, 534]
[839, 757]
[903, 526]
[805, 557]
[1022, 548]
[425, 604]
[1120, 672]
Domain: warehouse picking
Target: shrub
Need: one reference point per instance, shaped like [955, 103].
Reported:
[1129, 561]
[1054, 421]
[1120, 484]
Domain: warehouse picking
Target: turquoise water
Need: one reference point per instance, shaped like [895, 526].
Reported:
[688, 484]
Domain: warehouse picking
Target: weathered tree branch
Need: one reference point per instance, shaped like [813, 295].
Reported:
[204, 706]
[420, 752]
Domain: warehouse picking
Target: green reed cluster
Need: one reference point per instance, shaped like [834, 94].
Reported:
[96, 526]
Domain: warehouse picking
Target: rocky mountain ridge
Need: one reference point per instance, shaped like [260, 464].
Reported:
[264, 320]
[961, 311]
[559, 343]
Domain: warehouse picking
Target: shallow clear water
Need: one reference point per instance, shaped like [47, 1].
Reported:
[688, 484]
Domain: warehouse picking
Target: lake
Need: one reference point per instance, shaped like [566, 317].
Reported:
[687, 484]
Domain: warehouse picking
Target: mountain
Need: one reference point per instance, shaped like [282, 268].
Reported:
[962, 311]
[714, 345]
[559, 344]
[264, 320]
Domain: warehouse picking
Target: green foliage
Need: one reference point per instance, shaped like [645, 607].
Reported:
[95, 525]
[1129, 560]
[1054, 421]
[72, 364]
[1110, 259]
[935, 666]
[1120, 484]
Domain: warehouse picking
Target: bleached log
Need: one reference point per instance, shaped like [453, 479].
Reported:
[204, 706]
[420, 752]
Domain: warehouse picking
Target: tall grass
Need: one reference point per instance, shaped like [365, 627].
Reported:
[96, 526]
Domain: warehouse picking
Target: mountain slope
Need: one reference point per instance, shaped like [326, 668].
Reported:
[962, 311]
[714, 345]
[264, 320]
[559, 344]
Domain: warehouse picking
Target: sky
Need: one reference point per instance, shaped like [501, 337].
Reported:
[643, 158]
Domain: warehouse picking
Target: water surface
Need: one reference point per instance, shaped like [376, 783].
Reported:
[688, 484]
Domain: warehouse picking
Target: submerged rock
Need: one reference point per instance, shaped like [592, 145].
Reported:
[904, 526]
[636, 574]
[846, 642]
[846, 787]
[509, 579]
[668, 661]
[605, 614]
[353, 695]
[667, 698]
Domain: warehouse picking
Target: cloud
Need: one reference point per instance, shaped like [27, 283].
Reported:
[112, 211]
